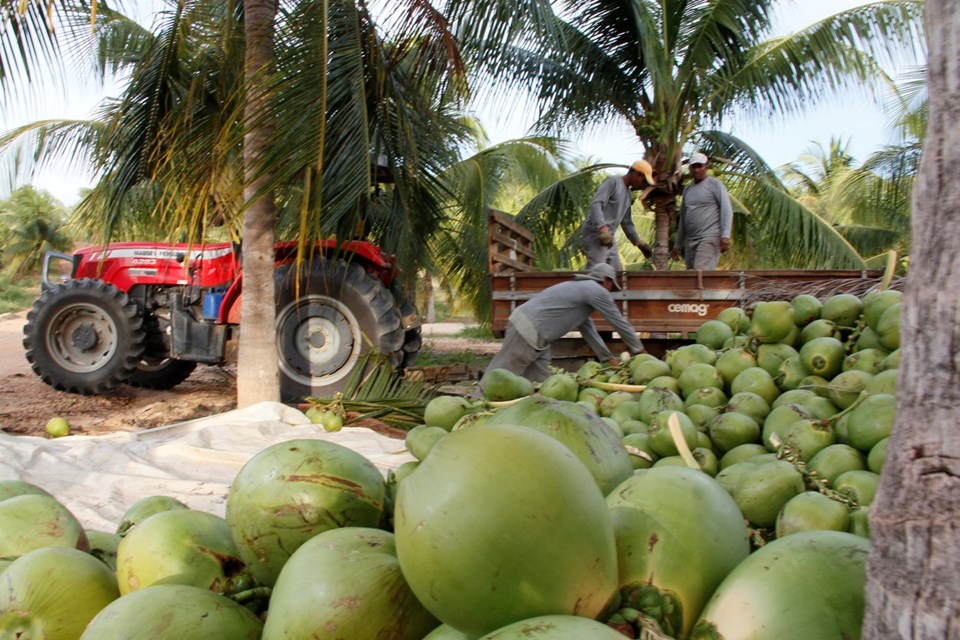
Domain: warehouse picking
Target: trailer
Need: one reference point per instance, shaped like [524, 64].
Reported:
[665, 307]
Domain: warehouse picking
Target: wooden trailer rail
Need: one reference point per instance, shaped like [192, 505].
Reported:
[511, 245]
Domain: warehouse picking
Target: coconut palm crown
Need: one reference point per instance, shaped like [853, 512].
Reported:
[676, 71]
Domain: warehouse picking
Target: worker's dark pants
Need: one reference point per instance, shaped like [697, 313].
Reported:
[517, 356]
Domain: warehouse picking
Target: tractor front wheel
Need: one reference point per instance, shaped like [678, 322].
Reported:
[84, 336]
[333, 320]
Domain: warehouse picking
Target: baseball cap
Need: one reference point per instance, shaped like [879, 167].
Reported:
[698, 158]
[642, 166]
[599, 273]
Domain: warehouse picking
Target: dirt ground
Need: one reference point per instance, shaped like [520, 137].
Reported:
[26, 403]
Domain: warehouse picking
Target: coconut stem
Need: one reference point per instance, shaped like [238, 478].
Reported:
[673, 422]
[613, 386]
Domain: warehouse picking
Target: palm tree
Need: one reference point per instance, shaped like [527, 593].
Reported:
[33, 222]
[675, 71]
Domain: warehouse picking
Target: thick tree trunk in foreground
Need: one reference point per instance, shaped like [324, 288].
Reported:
[258, 377]
[913, 588]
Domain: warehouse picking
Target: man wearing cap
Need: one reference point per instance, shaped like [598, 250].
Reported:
[610, 209]
[555, 311]
[705, 219]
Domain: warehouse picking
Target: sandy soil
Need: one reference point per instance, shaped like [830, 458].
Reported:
[26, 403]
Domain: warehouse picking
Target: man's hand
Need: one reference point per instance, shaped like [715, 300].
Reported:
[645, 249]
[724, 244]
[606, 236]
[613, 362]
[675, 254]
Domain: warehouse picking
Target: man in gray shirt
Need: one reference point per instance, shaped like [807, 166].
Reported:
[705, 220]
[555, 311]
[609, 209]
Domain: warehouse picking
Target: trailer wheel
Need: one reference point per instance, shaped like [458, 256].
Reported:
[84, 336]
[161, 373]
[341, 315]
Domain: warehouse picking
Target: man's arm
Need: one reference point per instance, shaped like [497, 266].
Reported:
[589, 332]
[726, 216]
[607, 308]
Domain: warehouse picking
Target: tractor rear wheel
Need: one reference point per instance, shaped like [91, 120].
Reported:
[84, 336]
[332, 319]
[161, 373]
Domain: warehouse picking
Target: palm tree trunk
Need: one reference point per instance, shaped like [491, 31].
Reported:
[913, 585]
[664, 206]
[258, 377]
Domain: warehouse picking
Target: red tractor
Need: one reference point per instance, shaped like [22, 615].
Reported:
[145, 314]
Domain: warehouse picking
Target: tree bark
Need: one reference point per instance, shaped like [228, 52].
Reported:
[913, 574]
[258, 373]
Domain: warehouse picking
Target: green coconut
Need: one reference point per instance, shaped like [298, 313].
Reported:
[421, 439]
[181, 546]
[771, 356]
[629, 410]
[713, 333]
[758, 381]
[560, 386]
[665, 382]
[888, 327]
[860, 522]
[661, 439]
[713, 397]
[859, 485]
[812, 511]
[763, 490]
[354, 565]
[843, 309]
[818, 406]
[876, 302]
[892, 361]
[174, 612]
[868, 339]
[871, 421]
[14, 488]
[444, 411]
[144, 508]
[554, 627]
[446, 632]
[772, 321]
[806, 309]
[807, 437]
[103, 546]
[779, 419]
[846, 387]
[736, 318]
[799, 587]
[689, 354]
[741, 453]
[732, 361]
[701, 415]
[749, 404]
[34, 520]
[831, 461]
[678, 535]
[500, 384]
[884, 382]
[293, 490]
[697, 376]
[612, 400]
[730, 475]
[642, 455]
[878, 456]
[732, 429]
[793, 396]
[51, 593]
[791, 373]
[823, 356]
[819, 329]
[869, 360]
[644, 371]
[540, 539]
[653, 400]
[598, 447]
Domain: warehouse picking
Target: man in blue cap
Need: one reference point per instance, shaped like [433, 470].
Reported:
[557, 310]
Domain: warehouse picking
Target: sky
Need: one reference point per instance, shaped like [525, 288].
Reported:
[854, 119]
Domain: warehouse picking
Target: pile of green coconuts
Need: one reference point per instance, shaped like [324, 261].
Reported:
[721, 493]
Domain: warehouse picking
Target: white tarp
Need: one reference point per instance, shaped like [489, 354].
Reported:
[99, 477]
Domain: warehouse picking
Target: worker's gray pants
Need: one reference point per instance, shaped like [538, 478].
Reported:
[597, 253]
[517, 356]
[702, 254]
